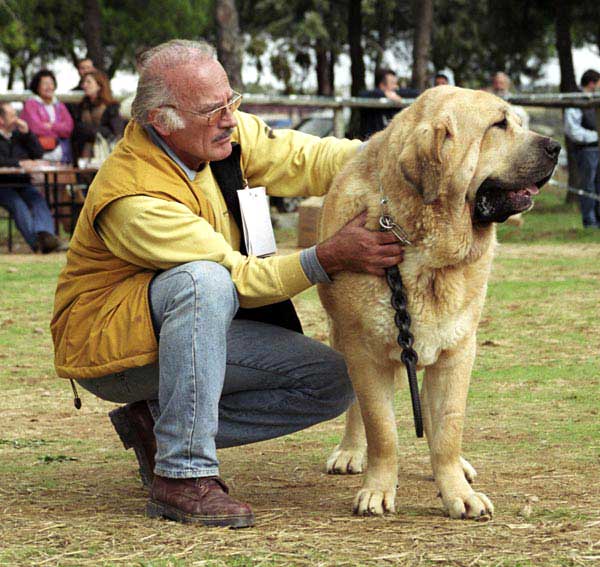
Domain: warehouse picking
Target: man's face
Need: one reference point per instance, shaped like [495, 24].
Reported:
[9, 120]
[85, 66]
[204, 87]
[500, 83]
[389, 83]
[440, 81]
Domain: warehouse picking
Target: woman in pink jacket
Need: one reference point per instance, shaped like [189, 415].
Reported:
[48, 118]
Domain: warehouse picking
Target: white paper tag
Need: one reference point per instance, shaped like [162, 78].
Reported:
[256, 220]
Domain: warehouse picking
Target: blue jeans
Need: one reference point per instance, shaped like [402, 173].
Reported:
[222, 382]
[587, 163]
[30, 211]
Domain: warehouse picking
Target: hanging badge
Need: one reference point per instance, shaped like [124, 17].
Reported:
[256, 221]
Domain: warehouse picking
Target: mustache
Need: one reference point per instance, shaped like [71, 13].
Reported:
[224, 135]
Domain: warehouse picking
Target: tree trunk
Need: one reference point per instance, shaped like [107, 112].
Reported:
[23, 69]
[11, 76]
[324, 87]
[562, 29]
[331, 62]
[92, 32]
[357, 64]
[229, 41]
[383, 24]
[422, 43]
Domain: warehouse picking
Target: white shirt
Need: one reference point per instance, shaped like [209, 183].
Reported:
[575, 131]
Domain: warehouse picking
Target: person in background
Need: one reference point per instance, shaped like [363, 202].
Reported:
[580, 128]
[84, 66]
[97, 113]
[20, 148]
[440, 79]
[373, 120]
[48, 118]
[501, 86]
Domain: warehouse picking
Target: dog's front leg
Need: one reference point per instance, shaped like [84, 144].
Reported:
[445, 388]
[374, 387]
[348, 456]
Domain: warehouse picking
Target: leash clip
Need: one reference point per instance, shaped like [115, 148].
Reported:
[387, 223]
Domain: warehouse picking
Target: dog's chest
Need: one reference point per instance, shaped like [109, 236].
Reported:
[444, 306]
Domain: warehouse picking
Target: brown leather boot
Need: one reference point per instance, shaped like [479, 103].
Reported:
[197, 501]
[135, 425]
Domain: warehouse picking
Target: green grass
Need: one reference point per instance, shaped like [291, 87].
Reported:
[71, 496]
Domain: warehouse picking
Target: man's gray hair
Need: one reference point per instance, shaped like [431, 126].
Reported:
[153, 91]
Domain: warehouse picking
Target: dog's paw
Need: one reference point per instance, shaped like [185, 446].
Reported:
[343, 461]
[472, 505]
[371, 502]
[470, 472]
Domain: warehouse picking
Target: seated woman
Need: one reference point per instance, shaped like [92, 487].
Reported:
[48, 118]
[97, 113]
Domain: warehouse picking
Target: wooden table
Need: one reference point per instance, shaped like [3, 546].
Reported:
[54, 180]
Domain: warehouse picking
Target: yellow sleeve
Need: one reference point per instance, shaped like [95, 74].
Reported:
[158, 235]
[287, 162]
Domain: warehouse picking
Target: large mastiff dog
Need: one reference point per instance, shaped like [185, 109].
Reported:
[451, 165]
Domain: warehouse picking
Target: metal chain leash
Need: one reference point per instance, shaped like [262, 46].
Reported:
[402, 319]
[405, 339]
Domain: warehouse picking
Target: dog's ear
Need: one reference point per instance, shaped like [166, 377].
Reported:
[422, 160]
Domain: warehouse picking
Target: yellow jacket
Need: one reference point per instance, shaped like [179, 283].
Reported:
[101, 322]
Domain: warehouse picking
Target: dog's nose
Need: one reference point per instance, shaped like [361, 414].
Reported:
[552, 148]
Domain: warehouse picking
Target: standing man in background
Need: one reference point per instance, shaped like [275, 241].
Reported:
[373, 120]
[580, 128]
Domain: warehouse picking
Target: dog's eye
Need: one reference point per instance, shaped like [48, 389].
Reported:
[502, 124]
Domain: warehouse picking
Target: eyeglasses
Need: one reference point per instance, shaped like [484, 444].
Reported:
[213, 116]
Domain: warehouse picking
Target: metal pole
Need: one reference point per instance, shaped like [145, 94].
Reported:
[339, 128]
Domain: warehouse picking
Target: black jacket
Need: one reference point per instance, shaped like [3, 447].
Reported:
[373, 120]
[111, 126]
[18, 147]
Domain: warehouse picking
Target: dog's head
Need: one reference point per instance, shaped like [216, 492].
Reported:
[461, 146]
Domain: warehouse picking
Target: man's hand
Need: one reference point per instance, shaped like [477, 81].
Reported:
[393, 95]
[21, 126]
[356, 249]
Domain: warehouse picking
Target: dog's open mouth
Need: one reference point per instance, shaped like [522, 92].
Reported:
[494, 203]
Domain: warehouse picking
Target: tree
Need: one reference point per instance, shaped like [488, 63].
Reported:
[228, 41]
[421, 44]
[475, 38]
[92, 32]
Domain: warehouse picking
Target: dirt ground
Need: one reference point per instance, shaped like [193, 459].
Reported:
[69, 493]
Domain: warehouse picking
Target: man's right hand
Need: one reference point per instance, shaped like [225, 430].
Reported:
[354, 248]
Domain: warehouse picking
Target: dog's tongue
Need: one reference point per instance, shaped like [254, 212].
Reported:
[531, 190]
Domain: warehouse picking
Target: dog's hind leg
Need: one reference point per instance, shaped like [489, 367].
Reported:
[348, 456]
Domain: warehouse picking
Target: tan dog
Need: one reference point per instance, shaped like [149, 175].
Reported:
[451, 165]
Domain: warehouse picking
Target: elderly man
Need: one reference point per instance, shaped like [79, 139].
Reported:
[19, 147]
[147, 309]
[500, 86]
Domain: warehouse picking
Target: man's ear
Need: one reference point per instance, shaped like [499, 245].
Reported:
[155, 120]
[422, 161]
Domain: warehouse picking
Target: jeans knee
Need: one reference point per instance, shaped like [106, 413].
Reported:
[339, 392]
[212, 284]
[204, 285]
